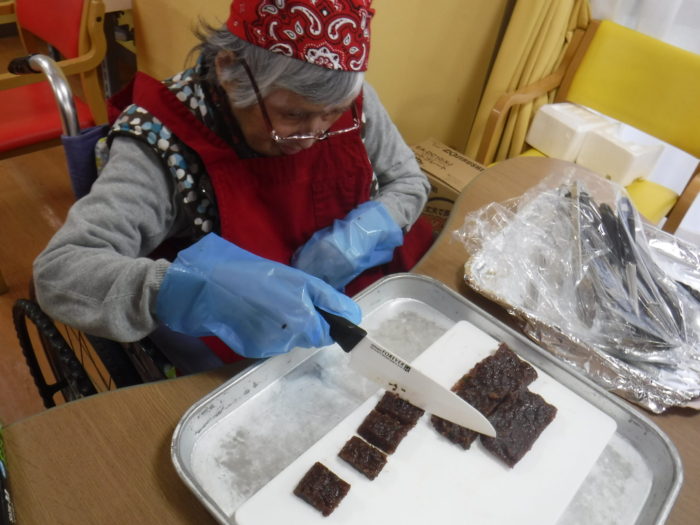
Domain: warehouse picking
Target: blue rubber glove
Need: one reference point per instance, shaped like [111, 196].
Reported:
[257, 307]
[365, 238]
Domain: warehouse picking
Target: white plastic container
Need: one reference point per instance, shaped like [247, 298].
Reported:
[607, 152]
[674, 167]
[558, 130]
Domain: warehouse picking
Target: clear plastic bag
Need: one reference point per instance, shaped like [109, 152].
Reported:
[595, 285]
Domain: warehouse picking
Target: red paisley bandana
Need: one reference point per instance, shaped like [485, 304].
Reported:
[329, 33]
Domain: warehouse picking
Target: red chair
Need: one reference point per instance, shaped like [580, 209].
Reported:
[74, 29]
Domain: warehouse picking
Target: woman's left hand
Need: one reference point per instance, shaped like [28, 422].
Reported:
[365, 238]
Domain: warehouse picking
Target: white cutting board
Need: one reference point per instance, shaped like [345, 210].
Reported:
[429, 480]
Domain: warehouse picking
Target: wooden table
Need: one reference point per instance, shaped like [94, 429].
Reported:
[106, 459]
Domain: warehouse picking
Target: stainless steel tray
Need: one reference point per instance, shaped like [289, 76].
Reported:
[237, 438]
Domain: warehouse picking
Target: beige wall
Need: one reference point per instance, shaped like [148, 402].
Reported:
[429, 64]
[428, 60]
[163, 31]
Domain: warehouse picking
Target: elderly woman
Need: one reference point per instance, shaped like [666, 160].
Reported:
[270, 171]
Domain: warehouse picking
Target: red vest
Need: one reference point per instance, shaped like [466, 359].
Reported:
[271, 206]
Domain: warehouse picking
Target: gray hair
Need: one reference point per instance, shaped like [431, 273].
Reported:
[273, 71]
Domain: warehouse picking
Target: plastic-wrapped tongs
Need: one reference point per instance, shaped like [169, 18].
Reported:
[594, 284]
[635, 307]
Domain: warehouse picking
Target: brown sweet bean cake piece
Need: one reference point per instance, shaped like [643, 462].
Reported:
[392, 405]
[457, 434]
[519, 420]
[484, 387]
[383, 431]
[493, 378]
[322, 489]
[363, 456]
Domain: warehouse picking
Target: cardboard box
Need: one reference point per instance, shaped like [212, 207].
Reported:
[449, 172]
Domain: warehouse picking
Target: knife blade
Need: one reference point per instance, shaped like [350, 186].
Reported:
[388, 370]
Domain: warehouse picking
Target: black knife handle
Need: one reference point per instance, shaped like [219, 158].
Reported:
[343, 331]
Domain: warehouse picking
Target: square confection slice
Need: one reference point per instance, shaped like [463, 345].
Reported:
[322, 489]
[393, 405]
[363, 457]
[519, 420]
[484, 387]
[493, 378]
[383, 431]
[457, 434]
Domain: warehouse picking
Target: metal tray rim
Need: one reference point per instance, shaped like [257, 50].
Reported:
[671, 450]
[178, 462]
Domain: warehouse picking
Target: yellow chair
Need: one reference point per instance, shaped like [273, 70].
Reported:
[74, 28]
[636, 79]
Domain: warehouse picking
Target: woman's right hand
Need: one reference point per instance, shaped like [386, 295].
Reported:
[256, 306]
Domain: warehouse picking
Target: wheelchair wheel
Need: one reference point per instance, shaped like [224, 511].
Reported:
[80, 364]
[36, 330]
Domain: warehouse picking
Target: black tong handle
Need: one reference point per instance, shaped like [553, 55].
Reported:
[344, 332]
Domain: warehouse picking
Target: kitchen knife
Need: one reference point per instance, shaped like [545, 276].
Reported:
[391, 372]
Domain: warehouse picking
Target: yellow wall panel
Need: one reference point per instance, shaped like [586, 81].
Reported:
[429, 62]
[163, 31]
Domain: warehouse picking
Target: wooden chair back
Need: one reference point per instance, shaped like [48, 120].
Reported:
[75, 28]
[639, 80]
[631, 77]
[58, 24]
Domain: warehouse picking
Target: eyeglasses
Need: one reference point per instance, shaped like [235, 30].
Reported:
[321, 135]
